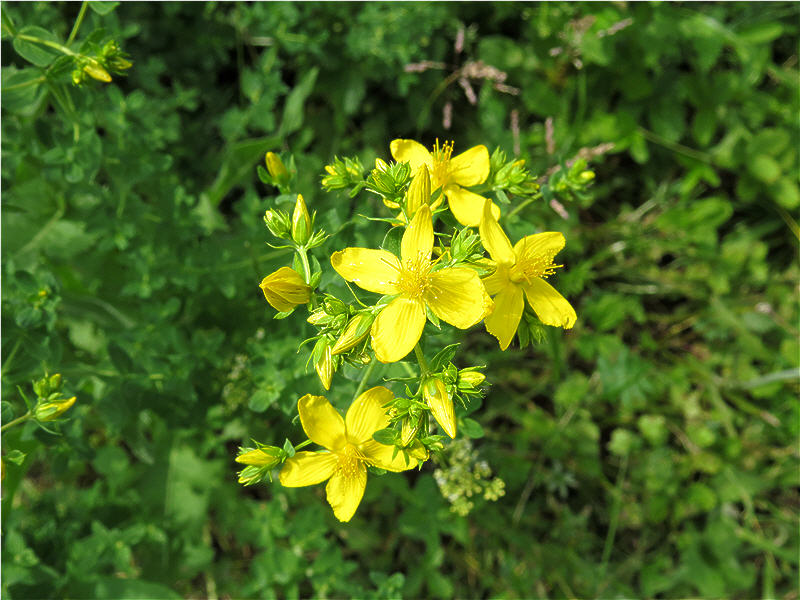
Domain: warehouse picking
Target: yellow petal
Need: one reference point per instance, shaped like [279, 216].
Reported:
[414, 153]
[397, 329]
[372, 270]
[466, 206]
[366, 414]
[497, 280]
[322, 424]
[494, 238]
[457, 296]
[550, 306]
[441, 405]
[419, 191]
[382, 456]
[345, 491]
[503, 322]
[539, 247]
[417, 243]
[308, 468]
[284, 289]
[470, 167]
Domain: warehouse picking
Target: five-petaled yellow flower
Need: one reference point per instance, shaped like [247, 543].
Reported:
[350, 449]
[451, 174]
[454, 294]
[522, 268]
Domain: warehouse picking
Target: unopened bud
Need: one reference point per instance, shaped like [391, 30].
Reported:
[409, 430]
[49, 411]
[301, 222]
[324, 368]
[275, 167]
[284, 289]
[436, 397]
[278, 223]
[471, 378]
[96, 71]
[586, 176]
[356, 330]
[381, 165]
[266, 456]
[334, 306]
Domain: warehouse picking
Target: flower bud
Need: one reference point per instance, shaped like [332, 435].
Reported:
[419, 192]
[436, 397]
[586, 176]
[301, 222]
[381, 165]
[266, 456]
[275, 167]
[278, 223]
[324, 367]
[471, 378]
[284, 289]
[96, 71]
[356, 330]
[318, 317]
[334, 306]
[50, 411]
[409, 430]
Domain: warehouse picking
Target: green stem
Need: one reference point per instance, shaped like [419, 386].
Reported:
[522, 205]
[303, 254]
[612, 526]
[55, 45]
[17, 421]
[24, 84]
[302, 444]
[11, 354]
[674, 146]
[423, 364]
[78, 22]
[364, 378]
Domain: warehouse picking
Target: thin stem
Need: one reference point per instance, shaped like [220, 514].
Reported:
[24, 84]
[11, 354]
[78, 22]
[302, 444]
[423, 364]
[522, 205]
[55, 45]
[364, 378]
[612, 526]
[17, 421]
[674, 146]
[303, 254]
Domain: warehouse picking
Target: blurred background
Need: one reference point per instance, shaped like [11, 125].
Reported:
[651, 451]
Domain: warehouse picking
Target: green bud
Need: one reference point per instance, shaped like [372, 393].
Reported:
[471, 378]
[301, 222]
[586, 176]
[278, 223]
[55, 382]
[356, 330]
[334, 306]
[49, 411]
[96, 71]
[275, 167]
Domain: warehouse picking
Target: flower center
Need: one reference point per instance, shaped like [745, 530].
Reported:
[530, 266]
[413, 278]
[440, 174]
[349, 460]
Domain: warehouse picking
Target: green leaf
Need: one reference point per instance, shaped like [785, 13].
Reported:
[39, 54]
[103, 8]
[471, 428]
[295, 102]
[385, 436]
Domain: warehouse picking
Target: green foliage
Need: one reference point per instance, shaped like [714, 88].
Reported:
[649, 452]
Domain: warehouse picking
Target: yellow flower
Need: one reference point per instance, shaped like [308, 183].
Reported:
[350, 449]
[454, 294]
[284, 289]
[522, 269]
[451, 174]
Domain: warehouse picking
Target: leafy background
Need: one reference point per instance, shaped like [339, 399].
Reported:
[651, 451]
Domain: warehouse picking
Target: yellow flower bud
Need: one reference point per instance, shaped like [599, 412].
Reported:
[409, 430]
[436, 397]
[419, 192]
[381, 165]
[267, 456]
[275, 166]
[284, 289]
[586, 176]
[473, 378]
[96, 71]
[356, 330]
[301, 222]
[50, 411]
[324, 368]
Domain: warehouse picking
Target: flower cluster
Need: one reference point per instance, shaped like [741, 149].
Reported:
[426, 277]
